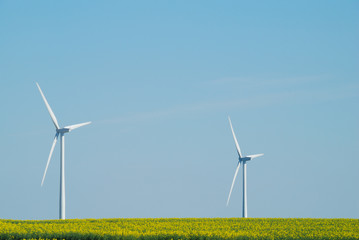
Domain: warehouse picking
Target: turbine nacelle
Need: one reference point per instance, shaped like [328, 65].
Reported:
[250, 157]
[63, 130]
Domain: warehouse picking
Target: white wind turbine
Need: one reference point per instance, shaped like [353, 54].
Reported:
[241, 160]
[59, 132]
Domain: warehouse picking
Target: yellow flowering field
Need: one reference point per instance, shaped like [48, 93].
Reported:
[181, 228]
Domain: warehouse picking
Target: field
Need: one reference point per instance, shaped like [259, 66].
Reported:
[182, 228]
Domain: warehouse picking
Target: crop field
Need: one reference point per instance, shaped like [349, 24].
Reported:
[182, 228]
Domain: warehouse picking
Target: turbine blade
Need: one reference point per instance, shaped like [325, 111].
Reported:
[255, 155]
[235, 139]
[234, 179]
[49, 159]
[72, 127]
[54, 120]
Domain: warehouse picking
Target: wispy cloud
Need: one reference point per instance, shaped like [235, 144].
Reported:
[294, 97]
[258, 81]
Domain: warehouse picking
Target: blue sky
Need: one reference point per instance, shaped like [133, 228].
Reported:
[158, 80]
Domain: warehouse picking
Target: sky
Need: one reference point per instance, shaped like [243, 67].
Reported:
[158, 80]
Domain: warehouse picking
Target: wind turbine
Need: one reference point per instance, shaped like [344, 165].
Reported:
[60, 132]
[243, 161]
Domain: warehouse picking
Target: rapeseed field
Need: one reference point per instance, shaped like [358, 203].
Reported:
[181, 228]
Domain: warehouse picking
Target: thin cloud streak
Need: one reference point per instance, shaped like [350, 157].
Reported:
[268, 82]
[259, 101]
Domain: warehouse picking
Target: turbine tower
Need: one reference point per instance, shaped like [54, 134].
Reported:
[60, 132]
[243, 161]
